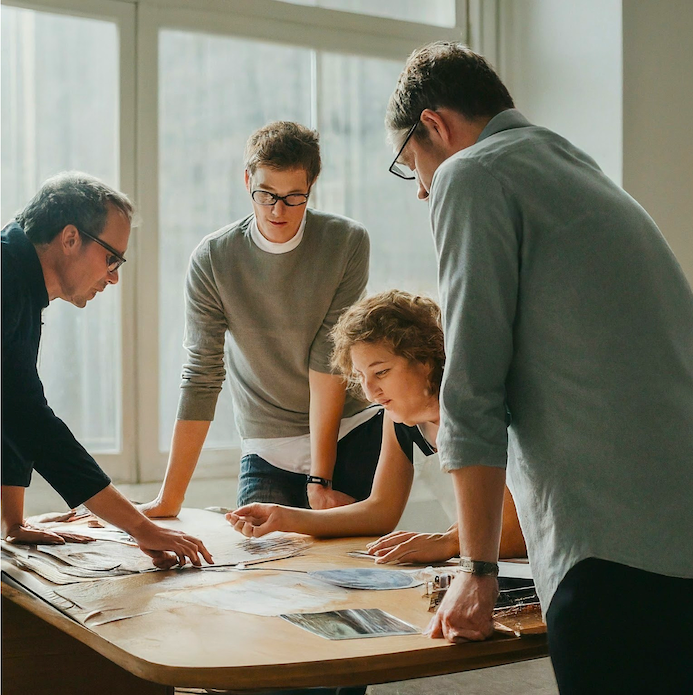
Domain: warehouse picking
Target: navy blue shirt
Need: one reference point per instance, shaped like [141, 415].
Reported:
[33, 437]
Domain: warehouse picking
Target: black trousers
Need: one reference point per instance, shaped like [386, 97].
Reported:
[617, 630]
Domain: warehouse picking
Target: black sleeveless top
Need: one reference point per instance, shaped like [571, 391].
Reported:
[408, 436]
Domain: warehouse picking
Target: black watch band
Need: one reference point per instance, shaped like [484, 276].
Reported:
[317, 480]
[478, 567]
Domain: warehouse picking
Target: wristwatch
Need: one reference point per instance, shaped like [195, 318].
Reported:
[479, 567]
[317, 480]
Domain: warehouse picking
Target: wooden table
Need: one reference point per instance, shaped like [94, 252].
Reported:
[44, 651]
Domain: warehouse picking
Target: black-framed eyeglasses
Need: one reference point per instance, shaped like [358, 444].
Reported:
[395, 167]
[114, 259]
[266, 198]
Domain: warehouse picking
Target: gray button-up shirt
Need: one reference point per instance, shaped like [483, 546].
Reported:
[562, 299]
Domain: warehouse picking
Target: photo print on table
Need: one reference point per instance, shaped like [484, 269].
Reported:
[353, 623]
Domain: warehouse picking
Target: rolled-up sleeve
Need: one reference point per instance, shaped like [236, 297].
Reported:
[205, 328]
[476, 231]
[350, 290]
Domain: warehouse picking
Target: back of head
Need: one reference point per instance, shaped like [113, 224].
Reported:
[446, 74]
[284, 145]
[71, 197]
[408, 324]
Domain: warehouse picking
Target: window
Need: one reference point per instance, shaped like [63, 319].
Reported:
[158, 99]
[60, 111]
[438, 12]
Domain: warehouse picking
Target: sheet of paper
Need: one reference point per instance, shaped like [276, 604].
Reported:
[518, 569]
[267, 594]
[352, 623]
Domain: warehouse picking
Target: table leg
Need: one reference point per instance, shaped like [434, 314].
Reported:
[38, 658]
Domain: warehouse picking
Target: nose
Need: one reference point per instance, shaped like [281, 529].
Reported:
[371, 389]
[112, 277]
[278, 208]
[421, 193]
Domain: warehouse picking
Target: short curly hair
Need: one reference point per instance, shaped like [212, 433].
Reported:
[408, 324]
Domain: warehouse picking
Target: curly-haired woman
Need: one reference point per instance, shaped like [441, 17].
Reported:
[390, 346]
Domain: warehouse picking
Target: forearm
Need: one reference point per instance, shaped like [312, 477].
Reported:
[327, 396]
[512, 539]
[479, 494]
[12, 507]
[371, 517]
[186, 444]
[111, 506]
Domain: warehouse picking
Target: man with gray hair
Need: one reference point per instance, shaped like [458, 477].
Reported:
[563, 303]
[67, 243]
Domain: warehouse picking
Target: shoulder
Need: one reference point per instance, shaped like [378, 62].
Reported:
[327, 223]
[221, 242]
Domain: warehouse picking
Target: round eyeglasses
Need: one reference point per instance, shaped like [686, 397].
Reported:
[266, 198]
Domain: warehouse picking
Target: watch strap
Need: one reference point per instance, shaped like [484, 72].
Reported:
[317, 480]
[479, 567]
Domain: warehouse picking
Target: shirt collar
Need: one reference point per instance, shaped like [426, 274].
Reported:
[271, 246]
[505, 120]
[25, 254]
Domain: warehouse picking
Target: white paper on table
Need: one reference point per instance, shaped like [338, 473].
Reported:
[267, 595]
[517, 569]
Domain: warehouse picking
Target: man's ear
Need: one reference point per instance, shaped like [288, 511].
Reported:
[437, 126]
[246, 177]
[70, 239]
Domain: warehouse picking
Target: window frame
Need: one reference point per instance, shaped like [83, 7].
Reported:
[139, 23]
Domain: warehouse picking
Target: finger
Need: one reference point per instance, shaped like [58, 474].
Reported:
[231, 517]
[397, 554]
[394, 538]
[47, 537]
[202, 549]
[190, 550]
[248, 529]
[434, 629]
[247, 509]
[75, 537]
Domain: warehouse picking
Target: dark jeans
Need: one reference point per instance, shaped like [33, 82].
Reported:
[357, 458]
[618, 630]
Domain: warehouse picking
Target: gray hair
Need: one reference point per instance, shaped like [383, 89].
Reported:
[71, 197]
[445, 74]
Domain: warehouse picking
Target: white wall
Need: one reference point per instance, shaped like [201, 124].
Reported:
[561, 61]
[658, 115]
[616, 78]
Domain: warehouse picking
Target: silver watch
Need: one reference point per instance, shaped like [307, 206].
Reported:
[478, 567]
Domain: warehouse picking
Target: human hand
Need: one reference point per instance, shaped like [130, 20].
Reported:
[26, 534]
[466, 611]
[255, 520]
[159, 509]
[167, 547]
[409, 546]
[320, 497]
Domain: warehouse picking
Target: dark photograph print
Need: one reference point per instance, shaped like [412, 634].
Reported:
[351, 623]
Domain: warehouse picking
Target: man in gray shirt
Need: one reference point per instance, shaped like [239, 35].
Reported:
[562, 301]
[272, 285]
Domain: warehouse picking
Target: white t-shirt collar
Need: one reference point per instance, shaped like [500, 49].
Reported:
[272, 247]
